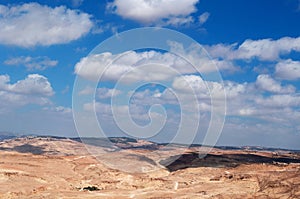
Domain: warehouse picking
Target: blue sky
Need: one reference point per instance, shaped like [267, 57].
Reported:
[254, 44]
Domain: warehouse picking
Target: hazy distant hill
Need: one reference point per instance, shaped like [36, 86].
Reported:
[131, 143]
[6, 135]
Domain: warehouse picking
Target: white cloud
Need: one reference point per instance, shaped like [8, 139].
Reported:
[34, 89]
[86, 91]
[188, 82]
[33, 84]
[149, 97]
[279, 101]
[177, 21]
[263, 49]
[235, 90]
[242, 99]
[33, 24]
[163, 65]
[103, 93]
[80, 49]
[32, 63]
[221, 50]
[288, 69]
[267, 83]
[155, 11]
[203, 17]
[93, 66]
[206, 89]
[268, 49]
[4, 79]
[246, 111]
[199, 58]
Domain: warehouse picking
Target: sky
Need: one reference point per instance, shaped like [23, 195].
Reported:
[51, 61]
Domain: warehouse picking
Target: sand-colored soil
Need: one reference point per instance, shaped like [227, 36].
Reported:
[62, 168]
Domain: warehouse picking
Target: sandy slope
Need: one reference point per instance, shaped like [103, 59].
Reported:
[62, 168]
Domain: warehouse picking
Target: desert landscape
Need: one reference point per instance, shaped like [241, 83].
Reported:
[149, 99]
[53, 167]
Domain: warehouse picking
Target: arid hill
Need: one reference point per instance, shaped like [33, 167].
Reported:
[49, 167]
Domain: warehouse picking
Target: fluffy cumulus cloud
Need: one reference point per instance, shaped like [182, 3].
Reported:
[263, 49]
[269, 52]
[197, 56]
[243, 99]
[33, 24]
[223, 56]
[192, 85]
[34, 89]
[288, 69]
[267, 83]
[161, 66]
[33, 84]
[173, 12]
[267, 49]
[32, 63]
[94, 66]
[279, 101]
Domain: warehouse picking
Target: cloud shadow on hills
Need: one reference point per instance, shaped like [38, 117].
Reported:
[26, 148]
[192, 160]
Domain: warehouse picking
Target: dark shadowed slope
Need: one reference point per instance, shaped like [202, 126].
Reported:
[192, 160]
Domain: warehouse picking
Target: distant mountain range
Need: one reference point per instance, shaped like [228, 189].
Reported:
[7, 135]
[131, 143]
